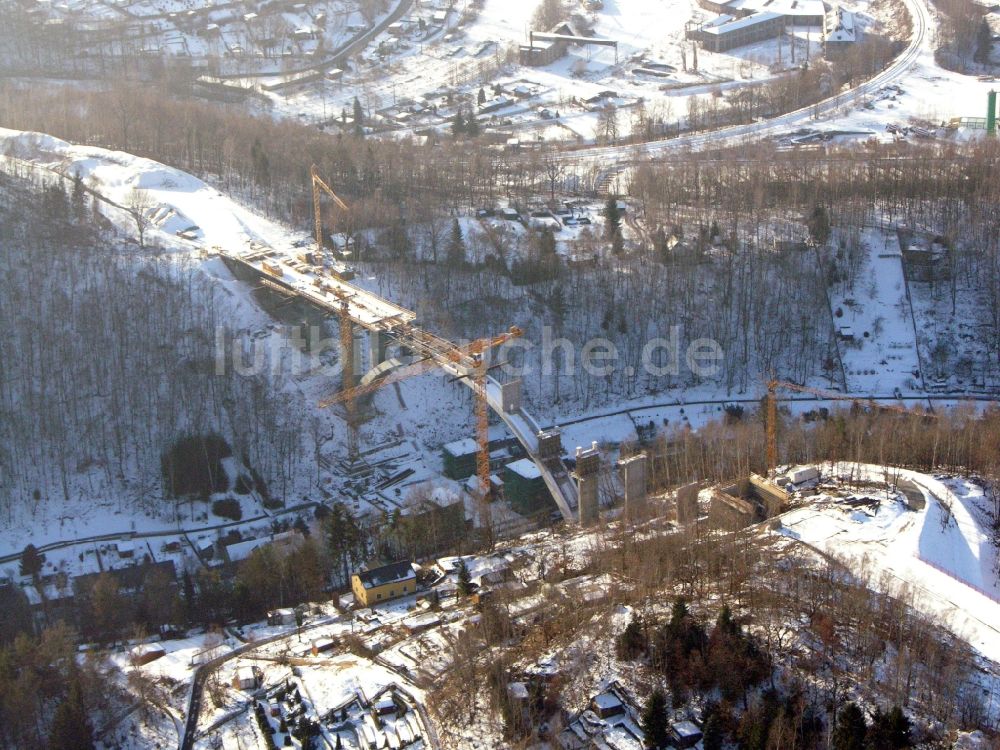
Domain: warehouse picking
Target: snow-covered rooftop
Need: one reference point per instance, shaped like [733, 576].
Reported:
[392, 573]
[740, 23]
[462, 447]
[526, 468]
[840, 26]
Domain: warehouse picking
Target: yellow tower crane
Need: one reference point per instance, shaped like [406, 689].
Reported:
[466, 361]
[346, 326]
[771, 412]
[318, 184]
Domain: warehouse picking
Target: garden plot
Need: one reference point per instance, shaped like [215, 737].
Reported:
[875, 332]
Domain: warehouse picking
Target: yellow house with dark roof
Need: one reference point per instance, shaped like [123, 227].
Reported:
[382, 584]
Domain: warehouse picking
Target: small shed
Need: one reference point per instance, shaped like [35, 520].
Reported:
[245, 679]
[144, 653]
[384, 706]
[419, 623]
[607, 704]
[685, 734]
[281, 617]
[321, 646]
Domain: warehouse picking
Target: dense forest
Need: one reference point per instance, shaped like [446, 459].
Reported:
[109, 357]
[731, 212]
[702, 253]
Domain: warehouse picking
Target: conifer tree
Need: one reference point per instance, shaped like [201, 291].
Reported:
[464, 579]
[654, 720]
[359, 118]
[456, 245]
[849, 734]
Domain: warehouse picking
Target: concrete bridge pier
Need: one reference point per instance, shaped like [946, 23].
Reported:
[353, 364]
[633, 470]
[378, 347]
[510, 397]
[588, 468]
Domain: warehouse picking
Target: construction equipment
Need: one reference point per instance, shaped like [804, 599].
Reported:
[466, 361]
[771, 412]
[319, 184]
[988, 123]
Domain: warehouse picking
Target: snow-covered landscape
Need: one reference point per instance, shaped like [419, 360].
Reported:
[937, 559]
[603, 374]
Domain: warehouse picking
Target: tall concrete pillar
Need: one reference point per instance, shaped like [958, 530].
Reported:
[549, 444]
[634, 478]
[586, 490]
[359, 358]
[510, 396]
[687, 503]
[588, 467]
[378, 344]
[352, 359]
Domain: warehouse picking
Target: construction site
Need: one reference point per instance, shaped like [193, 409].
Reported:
[382, 343]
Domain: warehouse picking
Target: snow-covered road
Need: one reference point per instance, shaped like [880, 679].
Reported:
[750, 132]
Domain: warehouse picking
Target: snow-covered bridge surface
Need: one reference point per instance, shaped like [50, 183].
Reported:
[323, 289]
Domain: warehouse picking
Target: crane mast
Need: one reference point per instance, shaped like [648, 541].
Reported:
[465, 362]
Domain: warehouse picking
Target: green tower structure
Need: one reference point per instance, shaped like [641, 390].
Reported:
[991, 113]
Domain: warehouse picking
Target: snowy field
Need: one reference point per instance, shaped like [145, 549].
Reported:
[943, 552]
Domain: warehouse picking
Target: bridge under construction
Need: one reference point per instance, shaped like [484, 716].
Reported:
[304, 277]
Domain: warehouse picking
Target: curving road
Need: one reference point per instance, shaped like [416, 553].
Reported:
[339, 56]
[737, 134]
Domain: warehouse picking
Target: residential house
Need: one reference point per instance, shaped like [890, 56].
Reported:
[382, 584]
